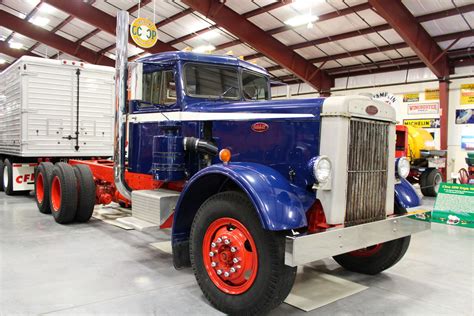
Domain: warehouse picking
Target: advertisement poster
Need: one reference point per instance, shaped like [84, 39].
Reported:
[411, 97]
[431, 94]
[454, 205]
[467, 93]
[467, 142]
[423, 123]
[423, 108]
[465, 116]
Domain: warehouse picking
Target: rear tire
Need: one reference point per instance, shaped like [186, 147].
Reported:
[1, 175]
[375, 259]
[43, 177]
[8, 177]
[261, 280]
[86, 193]
[63, 197]
[429, 182]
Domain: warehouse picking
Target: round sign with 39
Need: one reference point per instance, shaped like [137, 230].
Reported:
[144, 32]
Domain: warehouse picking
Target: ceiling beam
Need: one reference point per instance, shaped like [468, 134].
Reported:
[16, 53]
[257, 38]
[413, 33]
[99, 19]
[39, 34]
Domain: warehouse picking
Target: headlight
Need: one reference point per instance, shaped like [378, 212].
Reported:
[322, 168]
[403, 167]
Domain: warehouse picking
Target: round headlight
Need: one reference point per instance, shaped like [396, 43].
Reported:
[322, 169]
[403, 167]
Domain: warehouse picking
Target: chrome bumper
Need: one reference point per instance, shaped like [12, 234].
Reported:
[302, 249]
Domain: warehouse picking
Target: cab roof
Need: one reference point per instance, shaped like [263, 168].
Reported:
[166, 57]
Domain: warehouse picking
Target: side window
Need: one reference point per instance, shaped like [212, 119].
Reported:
[159, 88]
[169, 88]
[255, 87]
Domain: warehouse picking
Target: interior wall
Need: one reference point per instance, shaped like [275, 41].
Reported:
[348, 86]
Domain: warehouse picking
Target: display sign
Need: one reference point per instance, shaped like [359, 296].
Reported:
[411, 97]
[465, 116]
[423, 108]
[467, 142]
[454, 205]
[144, 32]
[431, 94]
[423, 123]
[467, 93]
[386, 97]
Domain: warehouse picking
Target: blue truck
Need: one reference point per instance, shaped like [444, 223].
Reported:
[254, 187]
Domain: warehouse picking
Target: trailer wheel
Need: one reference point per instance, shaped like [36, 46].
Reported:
[238, 265]
[8, 177]
[86, 193]
[430, 181]
[377, 258]
[1, 175]
[63, 197]
[43, 177]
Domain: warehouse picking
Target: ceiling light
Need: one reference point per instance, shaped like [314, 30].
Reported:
[204, 49]
[2, 61]
[301, 20]
[39, 20]
[15, 45]
[209, 35]
[46, 8]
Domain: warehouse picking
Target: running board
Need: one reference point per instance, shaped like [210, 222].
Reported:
[302, 249]
[154, 206]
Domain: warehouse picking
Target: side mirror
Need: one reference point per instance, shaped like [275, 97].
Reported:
[135, 79]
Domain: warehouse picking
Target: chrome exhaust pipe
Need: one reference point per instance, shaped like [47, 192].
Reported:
[120, 104]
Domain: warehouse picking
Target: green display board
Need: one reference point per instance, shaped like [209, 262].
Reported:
[454, 205]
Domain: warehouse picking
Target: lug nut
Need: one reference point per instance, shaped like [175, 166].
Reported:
[213, 245]
[235, 260]
[232, 270]
[226, 241]
[219, 272]
[213, 264]
[233, 249]
[219, 240]
[226, 274]
[211, 254]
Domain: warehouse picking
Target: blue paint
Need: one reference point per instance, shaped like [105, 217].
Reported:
[405, 194]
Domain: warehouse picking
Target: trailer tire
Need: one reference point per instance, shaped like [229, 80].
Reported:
[1, 175]
[430, 180]
[261, 280]
[86, 193]
[8, 177]
[375, 259]
[43, 177]
[63, 197]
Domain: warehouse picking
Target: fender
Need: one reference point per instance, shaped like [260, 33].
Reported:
[405, 194]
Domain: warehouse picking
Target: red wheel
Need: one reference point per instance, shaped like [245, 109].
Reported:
[366, 252]
[39, 188]
[230, 255]
[463, 176]
[43, 176]
[56, 194]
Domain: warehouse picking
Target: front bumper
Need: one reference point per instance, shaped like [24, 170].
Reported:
[302, 249]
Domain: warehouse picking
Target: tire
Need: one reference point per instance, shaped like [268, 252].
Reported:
[1, 175]
[43, 177]
[86, 193]
[268, 281]
[63, 197]
[375, 259]
[8, 177]
[429, 182]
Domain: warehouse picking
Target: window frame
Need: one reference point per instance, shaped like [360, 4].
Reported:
[257, 74]
[162, 89]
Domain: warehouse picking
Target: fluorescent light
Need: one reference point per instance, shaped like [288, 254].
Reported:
[301, 20]
[204, 49]
[2, 61]
[15, 45]
[39, 20]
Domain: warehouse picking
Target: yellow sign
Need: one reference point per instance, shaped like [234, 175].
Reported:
[431, 94]
[423, 123]
[411, 97]
[467, 93]
[144, 32]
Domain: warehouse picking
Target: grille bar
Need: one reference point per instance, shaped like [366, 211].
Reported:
[367, 171]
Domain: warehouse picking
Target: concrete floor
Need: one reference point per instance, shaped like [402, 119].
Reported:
[97, 268]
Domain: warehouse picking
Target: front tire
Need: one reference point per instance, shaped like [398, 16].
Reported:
[430, 181]
[246, 273]
[377, 258]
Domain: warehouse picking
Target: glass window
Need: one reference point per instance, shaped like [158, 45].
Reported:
[255, 87]
[159, 88]
[209, 81]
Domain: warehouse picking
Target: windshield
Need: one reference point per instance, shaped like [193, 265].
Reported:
[210, 81]
[255, 86]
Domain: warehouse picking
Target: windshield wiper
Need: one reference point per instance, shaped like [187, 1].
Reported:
[222, 95]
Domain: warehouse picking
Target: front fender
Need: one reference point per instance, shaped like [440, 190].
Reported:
[405, 194]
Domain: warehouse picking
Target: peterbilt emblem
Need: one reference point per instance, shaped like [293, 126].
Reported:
[260, 127]
[371, 110]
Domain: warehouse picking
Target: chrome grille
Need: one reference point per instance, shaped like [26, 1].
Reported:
[367, 171]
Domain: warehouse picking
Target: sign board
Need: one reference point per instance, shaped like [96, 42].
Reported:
[423, 108]
[411, 97]
[465, 116]
[467, 142]
[144, 32]
[467, 93]
[454, 205]
[431, 94]
[423, 123]
[386, 97]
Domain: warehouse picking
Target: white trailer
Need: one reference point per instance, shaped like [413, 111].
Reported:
[52, 110]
